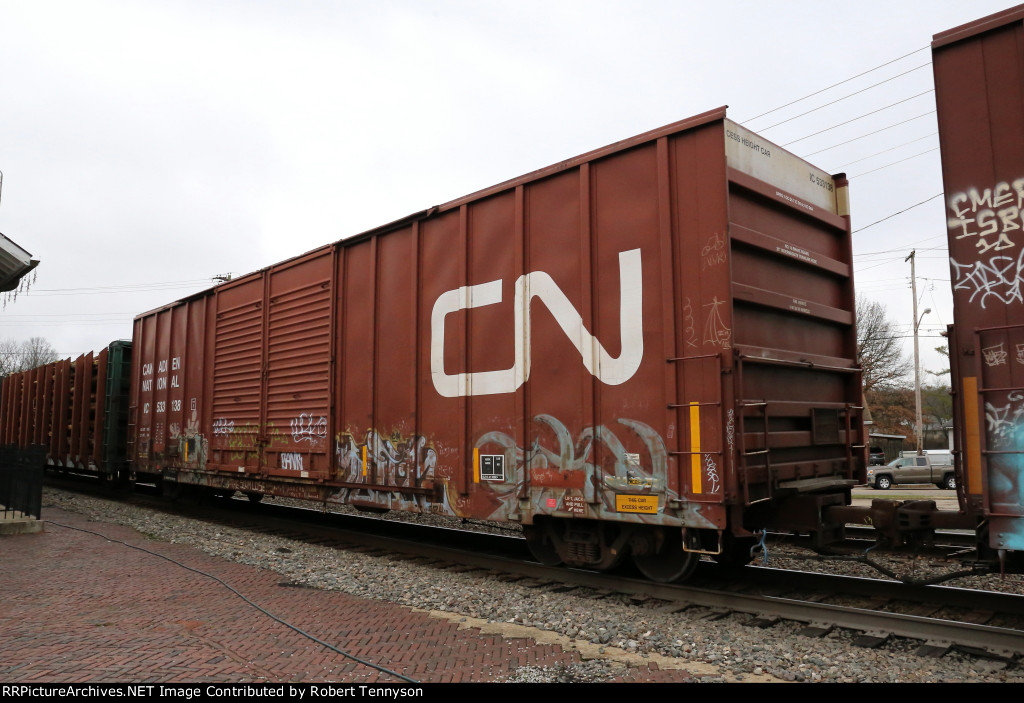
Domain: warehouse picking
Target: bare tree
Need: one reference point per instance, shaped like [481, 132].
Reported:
[944, 351]
[19, 356]
[879, 350]
[10, 356]
[37, 351]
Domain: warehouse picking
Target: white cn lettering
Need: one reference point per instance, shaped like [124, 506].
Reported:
[537, 284]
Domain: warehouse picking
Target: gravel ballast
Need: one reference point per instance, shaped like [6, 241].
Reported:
[609, 632]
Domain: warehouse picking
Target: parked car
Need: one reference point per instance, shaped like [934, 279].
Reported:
[936, 456]
[876, 456]
[910, 470]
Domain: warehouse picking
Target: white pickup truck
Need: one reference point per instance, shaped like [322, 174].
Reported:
[914, 469]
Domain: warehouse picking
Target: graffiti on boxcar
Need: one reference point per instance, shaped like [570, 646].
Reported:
[589, 469]
[238, 439]
[730, 430]
[1005, 425]
[711, 473]
[192, 446]
[392, 460]
[993, 218]
[308, 428]
[241, 436]
[995, 355]
[715, 331]
[690, 331]
[1020, 353]
[291, 461]
[1004, 421]
[713, 252]
[223, 426]
[540, 285]
[990, 215]
[1000, 278]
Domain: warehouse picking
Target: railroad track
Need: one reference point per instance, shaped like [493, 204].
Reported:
[879, 611]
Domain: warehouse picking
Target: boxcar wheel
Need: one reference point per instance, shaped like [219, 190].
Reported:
[170, 490]
[665, 561]
[253, 496]
[541, 545]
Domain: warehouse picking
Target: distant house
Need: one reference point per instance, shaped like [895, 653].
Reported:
[890, 444]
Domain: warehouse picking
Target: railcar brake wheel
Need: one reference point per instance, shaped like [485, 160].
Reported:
[541, 546]
[669, 563]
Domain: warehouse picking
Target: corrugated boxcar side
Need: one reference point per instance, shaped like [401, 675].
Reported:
[235, 344]
[979, 89]
[300, 325]
[270, 341]
[649, 333]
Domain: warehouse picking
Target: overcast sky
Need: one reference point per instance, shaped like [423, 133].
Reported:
[147, 147]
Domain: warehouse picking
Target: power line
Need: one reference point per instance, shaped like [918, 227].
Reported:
[903, 250]
[860, 117]
[70, 314]
[894, 163]
[884, 151]
[127, 286]
[869, 134]
[847, 80]
[861, 229]
[837, 100]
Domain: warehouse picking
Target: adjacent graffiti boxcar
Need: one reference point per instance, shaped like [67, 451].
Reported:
[645, 350]
[979, 88]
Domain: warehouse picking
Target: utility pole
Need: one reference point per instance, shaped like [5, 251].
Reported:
[918, 429]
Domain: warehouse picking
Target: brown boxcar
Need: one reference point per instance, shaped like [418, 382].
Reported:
[979, 89]
[648, 349]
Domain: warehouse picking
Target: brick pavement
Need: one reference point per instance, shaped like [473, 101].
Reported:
[79, 608]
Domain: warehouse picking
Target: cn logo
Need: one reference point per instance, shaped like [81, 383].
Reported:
[537, 284]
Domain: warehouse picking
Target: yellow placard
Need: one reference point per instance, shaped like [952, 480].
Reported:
[970, 461]
[636, 504]
[695, 473]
